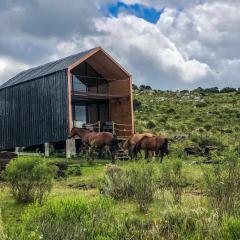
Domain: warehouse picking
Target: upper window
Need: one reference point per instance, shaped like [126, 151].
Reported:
[86, 79]
[78, 85]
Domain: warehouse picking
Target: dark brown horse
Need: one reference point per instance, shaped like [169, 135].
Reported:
[158, 144]
[100, 140]
[131, 142]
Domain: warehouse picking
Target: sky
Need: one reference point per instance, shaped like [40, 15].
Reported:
[168, 44]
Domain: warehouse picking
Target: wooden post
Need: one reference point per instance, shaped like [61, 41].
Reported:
[46, 149]
[114, 132]
[68, 148]
[17, 150]
[99, 126]
[73, 147]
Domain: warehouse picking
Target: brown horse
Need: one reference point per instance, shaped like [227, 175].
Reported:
[100, 140]
[131, 142]
[158, 144]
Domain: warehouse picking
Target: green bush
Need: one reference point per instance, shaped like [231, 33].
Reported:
[71, 218]
[222, 184]
[231, 229]
[2, 234]
[30, 178]
[143, 182]
[173, 179]
[174, 223]
[116, 183]
[201, 104]
[151, 124]
[136, 182]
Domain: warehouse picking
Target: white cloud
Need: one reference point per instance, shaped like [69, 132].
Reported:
[195, 43]
[9, 67]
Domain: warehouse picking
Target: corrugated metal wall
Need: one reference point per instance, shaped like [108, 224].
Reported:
[34, 112]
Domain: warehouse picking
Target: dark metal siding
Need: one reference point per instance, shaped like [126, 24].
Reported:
[34, 112]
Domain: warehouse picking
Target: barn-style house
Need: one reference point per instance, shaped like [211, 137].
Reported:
[42, 104]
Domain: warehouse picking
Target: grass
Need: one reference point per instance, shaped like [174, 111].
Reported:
[175, 114]
[11, 211]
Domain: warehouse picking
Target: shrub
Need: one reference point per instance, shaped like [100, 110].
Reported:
[185, 223]
[172, 178]
[115, 183]
[30, 178]
[207, 127]
[137, 183]
[222, 184]
[71, 218]
[228, 90]
[137, 104]
[201, 104]
[2, 234]
[145, 87]
[143, 181]
[170, 110]
[174, 223]
[231, 229]
[151, 124]
[134, 87]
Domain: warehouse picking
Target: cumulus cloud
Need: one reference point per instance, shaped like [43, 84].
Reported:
[6, 67]
[194, 43]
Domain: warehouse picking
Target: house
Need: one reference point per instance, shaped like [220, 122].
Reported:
[41, 105]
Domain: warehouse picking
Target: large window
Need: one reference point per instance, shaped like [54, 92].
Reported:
[86, 79]
[78, 84]
[90, 112]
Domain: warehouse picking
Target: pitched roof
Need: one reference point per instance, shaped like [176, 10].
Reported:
[45, 69]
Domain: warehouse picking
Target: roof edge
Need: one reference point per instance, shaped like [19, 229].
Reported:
[94, 51]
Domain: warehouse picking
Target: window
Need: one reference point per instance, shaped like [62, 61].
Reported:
[78, 84]
[86, 79]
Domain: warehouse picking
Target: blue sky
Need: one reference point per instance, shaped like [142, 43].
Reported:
[149, 14]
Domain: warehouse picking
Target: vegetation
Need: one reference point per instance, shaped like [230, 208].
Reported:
[193, 194]
[29, 178]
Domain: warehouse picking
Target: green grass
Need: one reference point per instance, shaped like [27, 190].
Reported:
[173, 113]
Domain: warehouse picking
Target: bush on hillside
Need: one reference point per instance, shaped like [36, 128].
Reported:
[222, 184]
[134, 87]
[173, 179]
[228, 90]
[137, 105]
[71, 218]
[151, 124]
[137, 183]
[201, 104]
[30, 178]
[115, 183]
[143, 181]
[2, 234]
[144, 87]
[231, 229]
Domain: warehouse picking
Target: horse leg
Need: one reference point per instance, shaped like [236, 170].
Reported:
[132, 151]
[161, 154]
[100, 152]
[146, 154]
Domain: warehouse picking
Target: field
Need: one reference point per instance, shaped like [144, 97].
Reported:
[182, 198]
